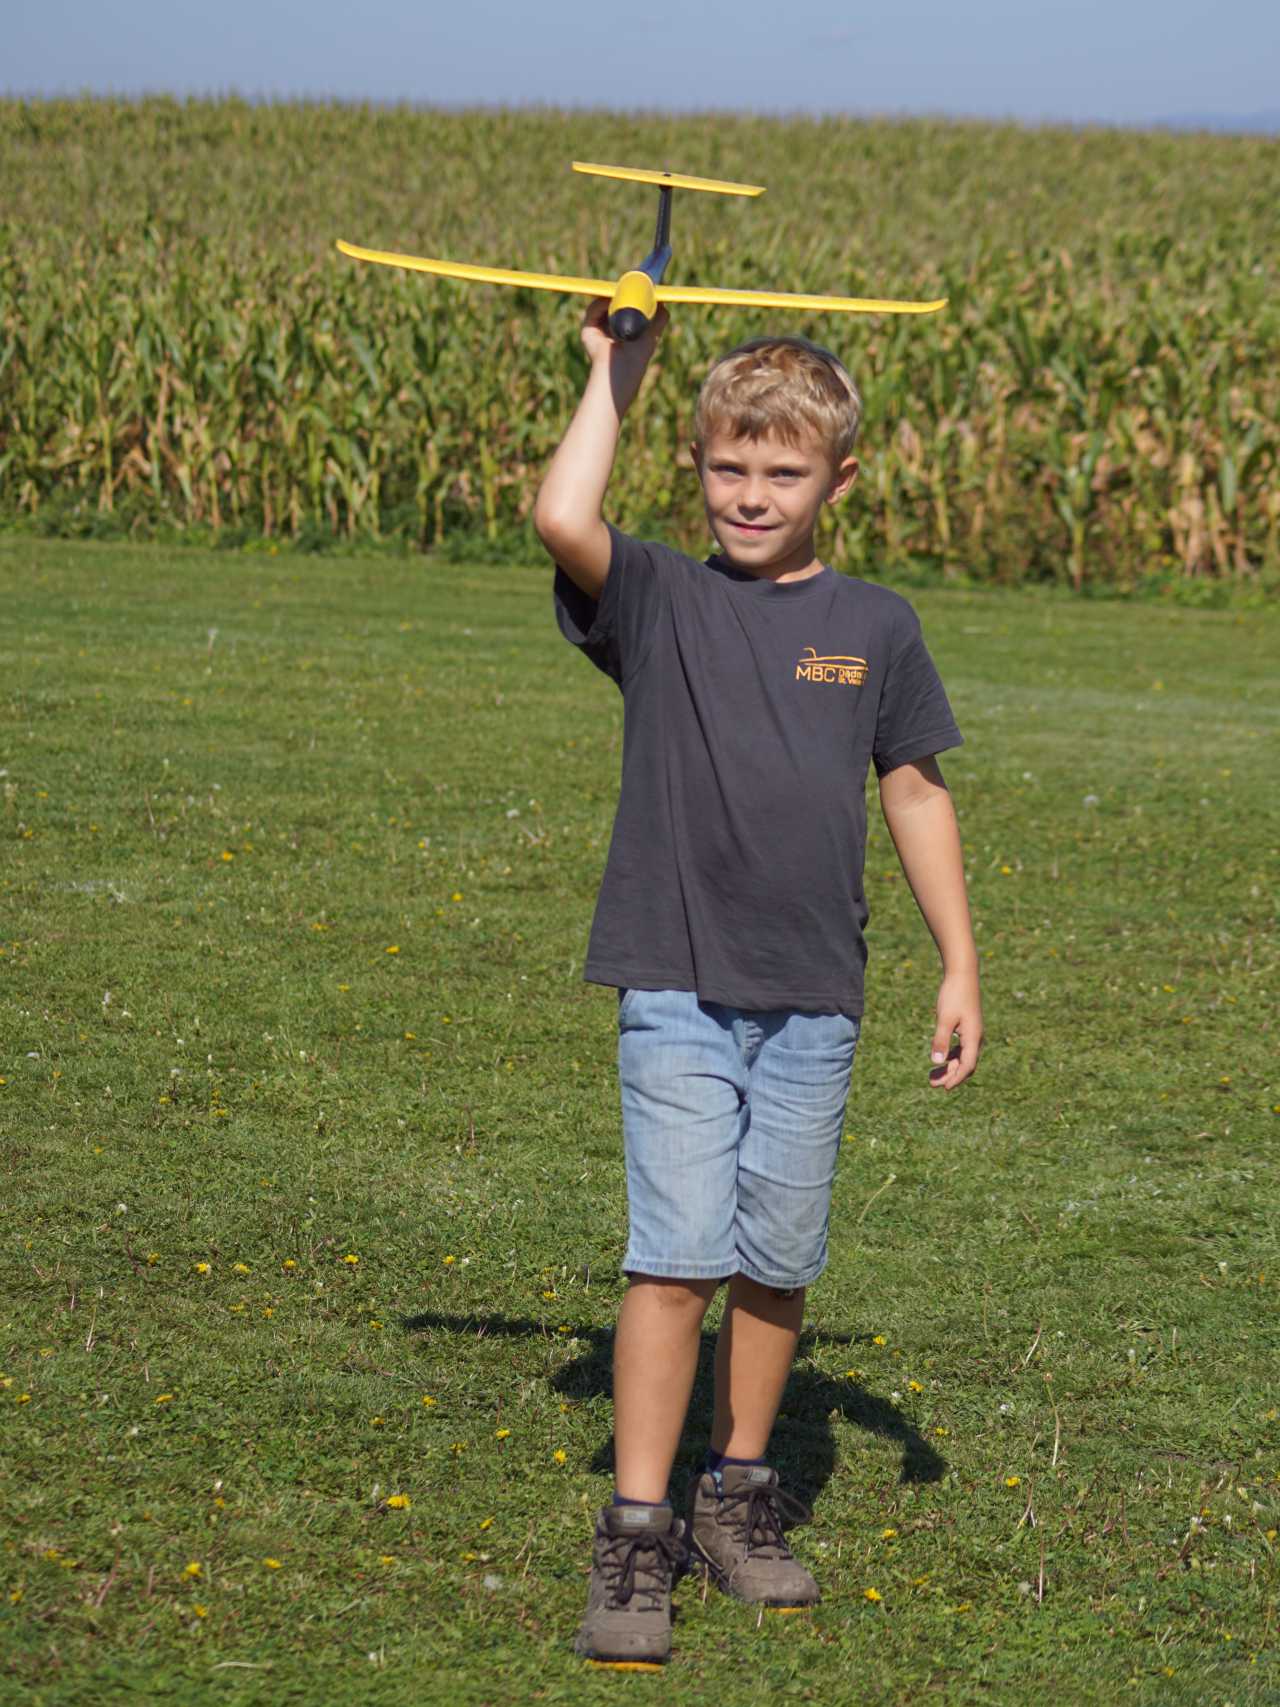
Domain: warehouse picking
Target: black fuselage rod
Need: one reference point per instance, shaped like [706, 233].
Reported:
[656, 261]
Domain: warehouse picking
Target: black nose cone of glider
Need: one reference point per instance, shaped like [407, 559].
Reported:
[627, 324]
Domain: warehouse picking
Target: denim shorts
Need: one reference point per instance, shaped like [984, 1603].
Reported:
[732, 1122]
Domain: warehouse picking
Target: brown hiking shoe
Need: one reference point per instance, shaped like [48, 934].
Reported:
[639, 1551]
[737, 1535]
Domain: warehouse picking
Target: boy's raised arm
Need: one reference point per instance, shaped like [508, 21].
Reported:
[567, 512]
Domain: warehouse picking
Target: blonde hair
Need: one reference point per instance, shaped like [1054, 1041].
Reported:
[781, 385]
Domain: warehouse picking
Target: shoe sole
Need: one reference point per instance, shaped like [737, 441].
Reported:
[710, 1569]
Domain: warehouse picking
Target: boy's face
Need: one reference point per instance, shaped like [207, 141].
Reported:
[763, 497]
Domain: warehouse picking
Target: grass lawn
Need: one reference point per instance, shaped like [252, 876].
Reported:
[312, 1191]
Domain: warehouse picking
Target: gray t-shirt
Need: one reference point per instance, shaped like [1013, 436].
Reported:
[752, 711]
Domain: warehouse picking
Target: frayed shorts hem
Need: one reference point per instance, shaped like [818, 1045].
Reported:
[667, 1270]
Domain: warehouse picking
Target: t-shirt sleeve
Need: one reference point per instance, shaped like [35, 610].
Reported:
[914, 719]
[616, 630]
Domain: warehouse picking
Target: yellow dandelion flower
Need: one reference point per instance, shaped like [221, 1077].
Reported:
[456, 896]
[560, 1455]
[1013, 1481]
[351, 1258]
[386, 1558]
[399, 1502]
[853, 1375]
[23, 1399]
[202, 1268]
[394, 948]
[879, 1340]
[373, 1323]
[272, 1564]
[1006, 871]
[268, 1311]
[163, 1398]
[429, 1400]
[227, 854]
[194, 1569]
[941, 1430]
[449, 1261]
[457, 1447]
[550, 1293]
[888, 1534]
[153, 1257]
[411, 1037]
[377, 1422]
[501, 1433]
[241, 1268]
[872, 1594]
[15, 1594]
[486, 1523]
[288, 1265]
[915, 1386]
[53, 1554]
[200, 1611]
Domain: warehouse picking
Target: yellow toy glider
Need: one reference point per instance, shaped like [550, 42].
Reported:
[634, 298]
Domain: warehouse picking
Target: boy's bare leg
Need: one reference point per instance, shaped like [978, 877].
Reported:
[655, 1358]
[754, 1354]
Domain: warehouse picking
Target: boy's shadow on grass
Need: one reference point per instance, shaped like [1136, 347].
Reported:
[803, 1447]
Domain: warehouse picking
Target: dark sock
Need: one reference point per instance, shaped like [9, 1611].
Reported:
[621, 1499]
[716, 1461]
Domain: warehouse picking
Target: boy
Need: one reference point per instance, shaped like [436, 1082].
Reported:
[758, 686]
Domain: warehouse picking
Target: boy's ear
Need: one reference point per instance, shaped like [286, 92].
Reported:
[842, 479]
[695, 456]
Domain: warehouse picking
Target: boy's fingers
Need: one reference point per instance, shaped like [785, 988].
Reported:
[970, 1046]
[953, 1062]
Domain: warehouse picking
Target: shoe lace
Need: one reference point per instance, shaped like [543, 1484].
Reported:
[761, 1511]
[643, 1565]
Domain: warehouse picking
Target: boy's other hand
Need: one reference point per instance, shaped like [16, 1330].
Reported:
[625, 362]
[959, 1016]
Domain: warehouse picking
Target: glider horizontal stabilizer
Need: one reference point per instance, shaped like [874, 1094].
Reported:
[668, 180]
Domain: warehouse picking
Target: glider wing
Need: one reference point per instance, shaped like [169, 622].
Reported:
[786, 299]
[567, 285]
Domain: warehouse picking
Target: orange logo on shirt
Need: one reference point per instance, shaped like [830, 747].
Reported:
[852, 672]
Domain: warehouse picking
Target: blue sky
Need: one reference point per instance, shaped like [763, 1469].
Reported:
[1118, 61]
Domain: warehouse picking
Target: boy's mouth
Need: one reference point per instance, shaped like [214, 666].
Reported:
[752, 527]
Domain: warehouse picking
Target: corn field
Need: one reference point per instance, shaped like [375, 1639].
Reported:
[181, 348]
